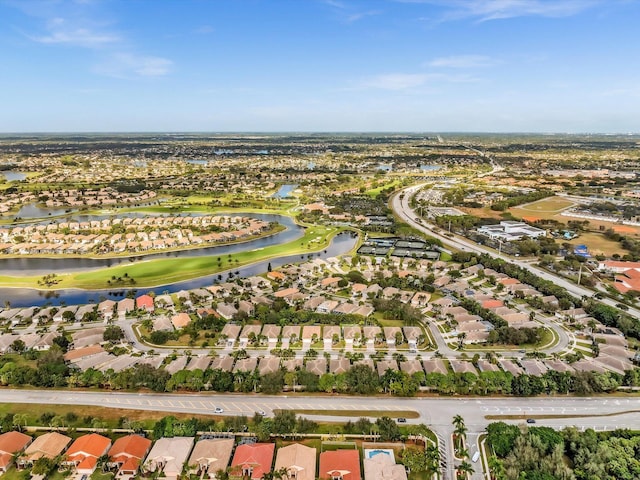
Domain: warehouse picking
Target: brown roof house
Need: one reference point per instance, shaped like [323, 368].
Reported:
[168, 456]
[380, 464]
[209, 456]
[11, 443]
[298, 461]
[49, 445]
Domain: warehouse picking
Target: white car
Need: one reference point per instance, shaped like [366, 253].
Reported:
[218, 410]
[261, 412]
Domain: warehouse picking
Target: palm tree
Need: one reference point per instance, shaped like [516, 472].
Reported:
[459, 432]
[20, 421]
[464, 469]
[458, 421]
[433, 457]
[496, 467]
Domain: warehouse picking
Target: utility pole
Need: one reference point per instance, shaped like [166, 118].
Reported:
[580, 274]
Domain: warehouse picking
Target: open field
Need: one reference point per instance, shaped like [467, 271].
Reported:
[374, 192]
[552, 208]
[170, 270]
[598, 243]
[550, 204]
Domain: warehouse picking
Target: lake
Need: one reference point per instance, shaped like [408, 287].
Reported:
[14, 176]
[285, 191]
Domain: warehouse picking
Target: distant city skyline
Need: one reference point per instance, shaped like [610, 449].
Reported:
[565, 66]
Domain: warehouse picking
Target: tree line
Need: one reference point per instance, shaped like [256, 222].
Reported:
[541, 453]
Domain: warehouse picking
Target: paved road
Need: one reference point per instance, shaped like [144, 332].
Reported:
[435, 412]
[400, 205]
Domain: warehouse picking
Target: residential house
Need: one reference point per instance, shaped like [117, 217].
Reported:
[414, 336]
[248, 333]
[229, 334]
[298, 461]
[330, 335]
[272, 333]
[145, 302]
[373, 335]
[168, 456]
[253, 460]
[11, 443]
[106, 309]
[393, 336]
[339, 365]
[435, 365]
[84, 452]
[290, 334]
[126, 455]
[352, 335]
[49, 445]
[317, 366]
[340, 465]
[209, 456]
[245, 365]
[384, 365]
[380, 464]
[125, 306]
[223, 362]
[310, 334]
[180, 320]
[226, 310]
[268, 364]
[411, 366]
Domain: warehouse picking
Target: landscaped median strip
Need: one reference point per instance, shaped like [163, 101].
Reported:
[551, 417]
[360, 413]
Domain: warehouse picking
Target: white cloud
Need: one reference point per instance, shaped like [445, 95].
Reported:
[79, 37]
[484, 10]
[126, 65]
[462, 61]
[348, 13]
[61, 31]
[408, 81]
[396, 81]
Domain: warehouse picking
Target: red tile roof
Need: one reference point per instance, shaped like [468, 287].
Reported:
[11, 443]
[259, 456]
[345, 463]
[131, 446]
[91, 445]
[488, 304]
[144, 301]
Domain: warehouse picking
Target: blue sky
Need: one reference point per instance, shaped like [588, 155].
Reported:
[320, 65]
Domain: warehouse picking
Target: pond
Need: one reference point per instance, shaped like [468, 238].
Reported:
[285, 191]
[14, 176]
[32, 210]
